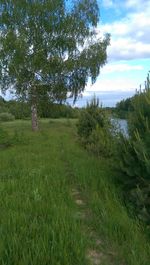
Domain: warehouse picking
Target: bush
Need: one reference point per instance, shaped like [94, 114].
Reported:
[5, 116]
[3, 109]
[91, 117]
[19, 109]
[95, 130]
[101, 142]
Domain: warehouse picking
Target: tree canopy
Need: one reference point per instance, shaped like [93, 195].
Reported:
[49, 47]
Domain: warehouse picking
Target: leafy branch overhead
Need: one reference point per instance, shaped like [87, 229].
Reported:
[50, 45]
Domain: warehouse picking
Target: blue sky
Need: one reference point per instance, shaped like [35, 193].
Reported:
[128, 63]
[128, 22]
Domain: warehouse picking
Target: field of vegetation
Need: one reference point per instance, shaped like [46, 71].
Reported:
[59, 204]
[74, 190]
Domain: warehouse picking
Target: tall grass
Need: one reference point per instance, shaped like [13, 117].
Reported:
[110, 219]
[37, 224]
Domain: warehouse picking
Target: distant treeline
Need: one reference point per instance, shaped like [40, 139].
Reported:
[126, 106]
[22, 110]
[46, 109]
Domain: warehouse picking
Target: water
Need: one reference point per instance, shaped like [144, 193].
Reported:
[122, 125]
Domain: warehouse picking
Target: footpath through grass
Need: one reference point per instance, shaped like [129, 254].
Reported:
[41, 224]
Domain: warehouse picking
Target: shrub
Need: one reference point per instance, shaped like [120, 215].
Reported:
[94, 129]
[19, 109]
[5, 116]
[101, 142]
[3, 109]
[91, 117]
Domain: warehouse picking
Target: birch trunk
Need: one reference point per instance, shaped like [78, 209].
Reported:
[34, 116]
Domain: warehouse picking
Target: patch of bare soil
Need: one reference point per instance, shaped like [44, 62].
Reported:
[94, 255]
[97, 253]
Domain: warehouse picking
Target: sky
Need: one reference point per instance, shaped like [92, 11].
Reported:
[128, 22]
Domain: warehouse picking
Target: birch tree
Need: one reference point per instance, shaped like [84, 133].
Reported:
[49, 48]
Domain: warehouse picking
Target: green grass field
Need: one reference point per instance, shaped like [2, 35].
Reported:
[58, 204]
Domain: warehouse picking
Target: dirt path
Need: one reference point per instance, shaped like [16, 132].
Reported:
[95, 253]
[98, 252]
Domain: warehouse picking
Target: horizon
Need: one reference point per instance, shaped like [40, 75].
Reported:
[107, 98]
[128, 54]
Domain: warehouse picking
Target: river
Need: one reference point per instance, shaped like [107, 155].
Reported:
[122, 125]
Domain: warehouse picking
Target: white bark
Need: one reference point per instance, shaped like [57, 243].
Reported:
[34, 117]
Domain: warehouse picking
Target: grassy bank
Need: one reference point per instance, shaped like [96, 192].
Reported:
[38, 223]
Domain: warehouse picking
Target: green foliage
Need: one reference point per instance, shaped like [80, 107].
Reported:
[5, 116]
[19, 137]
[91, 117]
[3, 106]
[18, 108]
[108, 216]
[140, 119]
[53, 110]
[37, 211]
[94, 129]
[43, 53]
[123, 108]
[2, 100]
[135, 155]
[39, 222]
[16, 137]
[21, 110]
[101, 142]
[4, 138]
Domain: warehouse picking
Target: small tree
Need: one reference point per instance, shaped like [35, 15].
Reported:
[91, 117]
[95, 129]
[49, 48]
[134, 155]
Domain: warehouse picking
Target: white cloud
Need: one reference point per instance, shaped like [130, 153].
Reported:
[130, 40]
[132, 3]
[107, 3]
[121, 67]
[86, 93]
[128, 49]
[130, 36]
[117, 84]
[125, 4]
[136, 4]
[135, 26]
